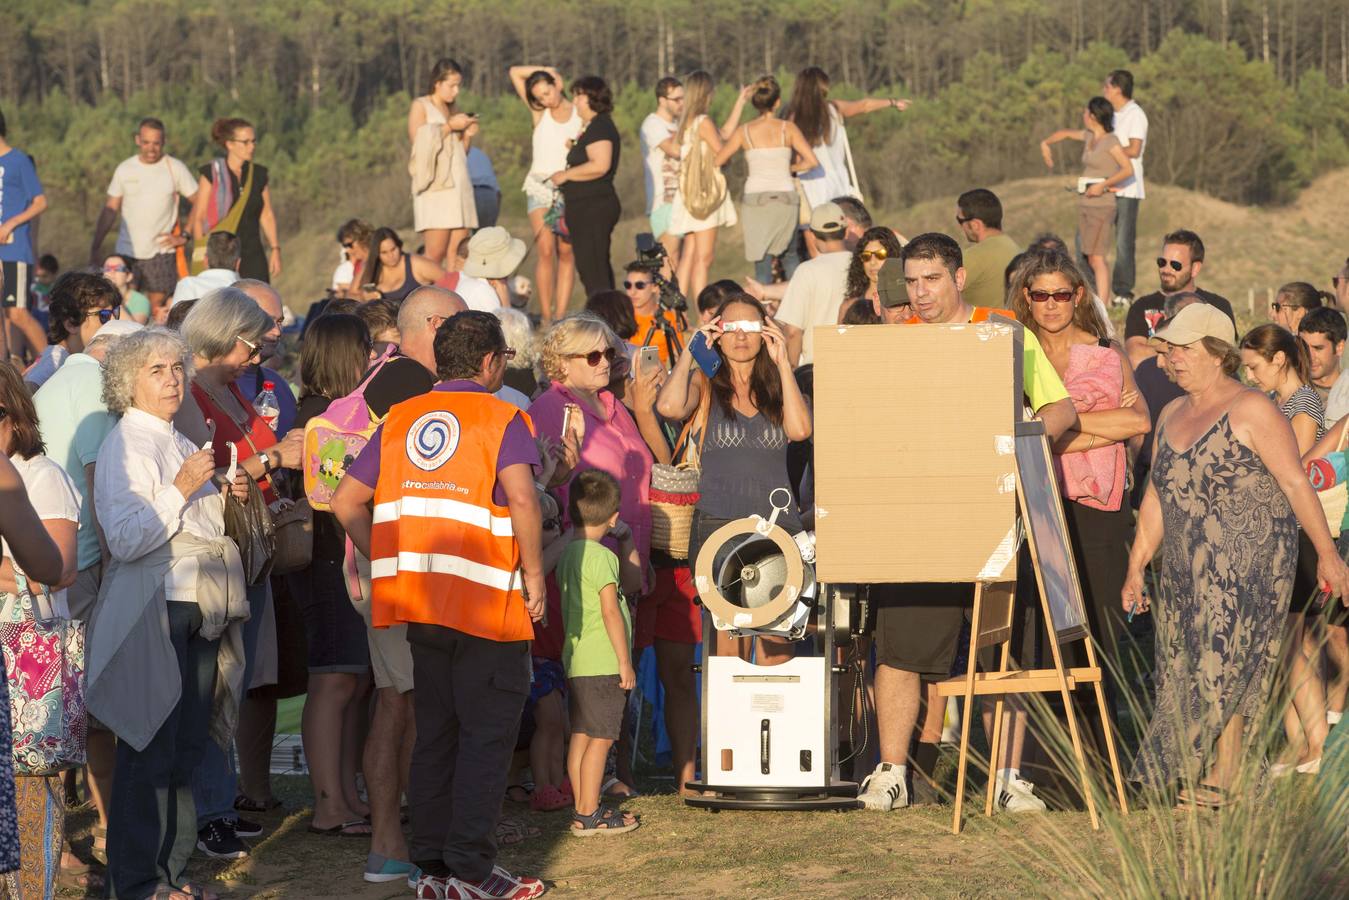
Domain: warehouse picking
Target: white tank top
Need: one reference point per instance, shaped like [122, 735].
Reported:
[770, 168]
[551, 139]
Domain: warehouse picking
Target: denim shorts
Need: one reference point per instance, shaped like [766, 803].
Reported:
[335, 631]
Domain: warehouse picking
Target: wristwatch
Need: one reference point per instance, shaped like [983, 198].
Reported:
[266, 463]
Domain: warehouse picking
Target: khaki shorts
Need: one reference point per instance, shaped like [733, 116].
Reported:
[390, 653]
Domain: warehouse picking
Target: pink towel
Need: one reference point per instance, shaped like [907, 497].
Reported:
[1095, 381]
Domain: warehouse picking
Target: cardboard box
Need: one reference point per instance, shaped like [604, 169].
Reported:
[915, 465]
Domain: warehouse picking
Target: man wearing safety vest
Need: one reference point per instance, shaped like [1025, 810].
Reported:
[454, 542]
[918, 625]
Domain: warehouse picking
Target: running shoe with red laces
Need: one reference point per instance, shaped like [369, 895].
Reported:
[500, 884]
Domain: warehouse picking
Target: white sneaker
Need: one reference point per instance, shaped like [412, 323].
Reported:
[1018, 795]
[1120, 300]
[884, 788]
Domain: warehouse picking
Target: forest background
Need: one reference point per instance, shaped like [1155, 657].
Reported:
[1248, 99]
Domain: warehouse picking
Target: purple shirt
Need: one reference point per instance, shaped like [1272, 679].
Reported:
[517, 446]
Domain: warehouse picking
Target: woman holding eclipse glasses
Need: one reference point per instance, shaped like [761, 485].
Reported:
[748, 408]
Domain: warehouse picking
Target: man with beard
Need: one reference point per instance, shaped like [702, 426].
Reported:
[1177, 269]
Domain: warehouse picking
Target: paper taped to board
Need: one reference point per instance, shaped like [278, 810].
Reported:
[1004, 444]
[1000, 557]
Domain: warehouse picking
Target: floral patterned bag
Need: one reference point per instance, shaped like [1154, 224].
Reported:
[44, 660]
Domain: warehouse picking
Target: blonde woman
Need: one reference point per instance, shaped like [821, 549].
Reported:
[695, 126]
[443, 211]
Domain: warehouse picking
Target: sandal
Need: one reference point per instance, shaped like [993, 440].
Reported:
[513, 831]
[341, 830]
[197, 891]
[601, 821]
[547, 798]
[169, 892]
[99, 848]
[83, 880]
[243, 803]
[627, 793]
[522, 793]
[1204, 796]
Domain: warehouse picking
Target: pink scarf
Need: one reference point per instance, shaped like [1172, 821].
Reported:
[1095, 381]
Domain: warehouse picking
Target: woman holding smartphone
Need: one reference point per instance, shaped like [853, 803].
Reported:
[749, 408]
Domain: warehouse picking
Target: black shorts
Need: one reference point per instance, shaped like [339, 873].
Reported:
[18, 284]
[918, 625]
[596, 705]
[158, 274]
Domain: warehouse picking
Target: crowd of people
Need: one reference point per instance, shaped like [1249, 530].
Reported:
[482, 573]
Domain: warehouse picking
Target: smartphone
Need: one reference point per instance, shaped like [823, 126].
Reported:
[368, 286]
[572, 421]
[648, 358]
[707, 359]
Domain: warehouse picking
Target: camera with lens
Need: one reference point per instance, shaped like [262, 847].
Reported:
[651, 256]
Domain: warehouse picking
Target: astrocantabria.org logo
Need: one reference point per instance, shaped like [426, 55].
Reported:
[432, 440]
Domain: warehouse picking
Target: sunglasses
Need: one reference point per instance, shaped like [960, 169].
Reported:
[107, 314]
[961, 220]
[1276, 306]
[509, 353]
[635, 285]
[254, 350]
[347, 245]
[1059, 296]
[1175, 264]
[594, 356]
[869, 255]
[116, 269]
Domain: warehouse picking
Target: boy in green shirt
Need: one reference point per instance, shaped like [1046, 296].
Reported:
[597, 647]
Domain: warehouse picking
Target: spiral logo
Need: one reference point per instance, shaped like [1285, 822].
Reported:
[432, 440]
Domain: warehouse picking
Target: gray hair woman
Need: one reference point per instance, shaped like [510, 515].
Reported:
[152, 676]
[520, 337]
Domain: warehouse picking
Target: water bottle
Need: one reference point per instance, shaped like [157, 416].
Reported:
[266, 405]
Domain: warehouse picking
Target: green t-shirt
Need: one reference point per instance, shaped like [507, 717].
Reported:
[585, 569]
[1039, 379]
[137, 304]
[985, 265]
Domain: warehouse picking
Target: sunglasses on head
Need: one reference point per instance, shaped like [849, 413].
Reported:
[594, 356]
[635, 285]
[1175, 264]
[1060, 296]
[869, 255]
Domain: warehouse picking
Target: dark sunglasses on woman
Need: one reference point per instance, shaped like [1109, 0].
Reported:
[1060, 296]
[594, 356]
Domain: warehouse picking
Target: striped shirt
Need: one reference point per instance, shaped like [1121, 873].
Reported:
[1306, 401]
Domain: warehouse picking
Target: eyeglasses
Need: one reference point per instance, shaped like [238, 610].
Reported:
[116, 269]
[869, 255]
[106, 314]
[1175, 264]
[635, 285]
[254, 350]
[509, 354]
[1060, 296]
[594, 356]
[1277, 306]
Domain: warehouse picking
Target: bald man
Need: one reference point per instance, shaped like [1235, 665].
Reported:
[251, 381]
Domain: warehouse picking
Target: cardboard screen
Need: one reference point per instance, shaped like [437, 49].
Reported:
[915, 472]
[1048, 533]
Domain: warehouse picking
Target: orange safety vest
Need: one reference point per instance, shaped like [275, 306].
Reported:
[442, 551]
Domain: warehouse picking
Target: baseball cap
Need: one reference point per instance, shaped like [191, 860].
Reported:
[118, 328]
[1198, 320]
[827, 218]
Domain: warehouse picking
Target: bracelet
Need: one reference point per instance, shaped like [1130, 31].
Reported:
[1092, 442]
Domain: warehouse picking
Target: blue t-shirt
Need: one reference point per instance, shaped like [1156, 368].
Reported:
[18, 188]
[480, 170]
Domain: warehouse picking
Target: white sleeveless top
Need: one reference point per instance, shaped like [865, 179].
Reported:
[551, 139]
[831, 178]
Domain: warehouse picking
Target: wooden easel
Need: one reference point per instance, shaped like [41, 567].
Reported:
[991, 625]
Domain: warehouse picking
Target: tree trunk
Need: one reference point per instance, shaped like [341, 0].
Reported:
[233, 47]
[1264, 31]
[1224, 14]
[102, 60]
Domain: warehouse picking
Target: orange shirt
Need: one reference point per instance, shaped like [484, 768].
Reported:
[658, 339]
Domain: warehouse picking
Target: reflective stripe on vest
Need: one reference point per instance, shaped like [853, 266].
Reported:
[443, 551]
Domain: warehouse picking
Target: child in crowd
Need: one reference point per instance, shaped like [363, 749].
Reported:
[597, 649]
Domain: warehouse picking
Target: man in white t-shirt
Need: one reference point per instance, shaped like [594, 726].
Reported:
[145, 190]
[816, 290]
[662, 170]
[1131, 127]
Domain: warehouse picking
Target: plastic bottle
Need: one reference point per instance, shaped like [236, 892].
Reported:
[266, 405]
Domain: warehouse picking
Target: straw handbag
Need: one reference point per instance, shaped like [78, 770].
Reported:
[674, 488]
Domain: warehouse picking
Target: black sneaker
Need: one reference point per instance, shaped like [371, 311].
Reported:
[218, 840]
[245, 828]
